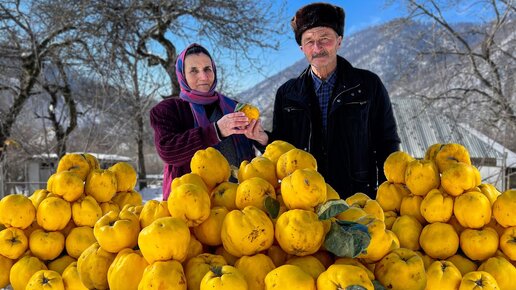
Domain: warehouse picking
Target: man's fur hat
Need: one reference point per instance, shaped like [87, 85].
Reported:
[318, 14]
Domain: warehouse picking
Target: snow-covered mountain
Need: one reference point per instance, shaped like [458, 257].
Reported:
[390, 50]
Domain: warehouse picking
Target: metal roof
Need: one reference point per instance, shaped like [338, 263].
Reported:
[420, 126]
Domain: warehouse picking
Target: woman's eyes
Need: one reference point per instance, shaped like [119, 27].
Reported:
[206, 69]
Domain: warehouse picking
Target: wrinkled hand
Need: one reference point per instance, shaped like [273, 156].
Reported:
[233, 123]
[255, 131]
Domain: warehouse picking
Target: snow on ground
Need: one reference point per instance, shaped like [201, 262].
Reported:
[149, 193]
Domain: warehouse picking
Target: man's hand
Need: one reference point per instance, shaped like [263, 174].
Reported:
[255, 131]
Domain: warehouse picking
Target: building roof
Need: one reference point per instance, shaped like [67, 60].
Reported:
[420, 127]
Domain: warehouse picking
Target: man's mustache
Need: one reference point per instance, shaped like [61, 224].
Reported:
[320, 54]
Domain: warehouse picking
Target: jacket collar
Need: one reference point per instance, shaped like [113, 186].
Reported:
[304, 87]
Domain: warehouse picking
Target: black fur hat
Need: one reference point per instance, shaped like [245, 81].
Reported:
[318, 14]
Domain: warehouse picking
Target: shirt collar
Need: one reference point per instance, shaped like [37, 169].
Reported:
[318, 82]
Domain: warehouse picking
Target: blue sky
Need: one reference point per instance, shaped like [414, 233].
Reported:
[360, 14]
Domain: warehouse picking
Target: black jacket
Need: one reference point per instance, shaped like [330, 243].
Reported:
[361, 130]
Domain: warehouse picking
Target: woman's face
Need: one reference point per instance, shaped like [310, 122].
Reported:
[199, 72]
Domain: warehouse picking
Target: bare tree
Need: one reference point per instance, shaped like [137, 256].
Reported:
[477, 65]
[28, 37]
[158, 26]
[61, 114]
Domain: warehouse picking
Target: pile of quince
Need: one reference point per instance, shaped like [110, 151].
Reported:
[452, 230]
[281, 226]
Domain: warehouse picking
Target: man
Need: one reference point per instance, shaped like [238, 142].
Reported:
[340, 114]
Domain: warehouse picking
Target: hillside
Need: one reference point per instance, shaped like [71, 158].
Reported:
[391, 50]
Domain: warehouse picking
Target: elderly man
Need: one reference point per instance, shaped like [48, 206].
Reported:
[339, 113]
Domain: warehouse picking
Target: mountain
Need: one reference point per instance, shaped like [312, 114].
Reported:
[376, 48]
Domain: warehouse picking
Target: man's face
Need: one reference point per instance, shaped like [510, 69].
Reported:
[320, 46]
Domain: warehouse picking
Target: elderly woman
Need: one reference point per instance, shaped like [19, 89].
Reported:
[200, 118]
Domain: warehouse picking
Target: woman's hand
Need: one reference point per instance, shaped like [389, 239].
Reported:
[255, 132]
[233, 123]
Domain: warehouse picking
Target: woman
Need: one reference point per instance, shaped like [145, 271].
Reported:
[200, 118]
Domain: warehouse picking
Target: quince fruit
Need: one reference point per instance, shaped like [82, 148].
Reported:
[126, 271]
[130, 197]
[305, 188]
[163, 275]
[46, 245]
[125, 175]
[78, 240]
[439, 240]
[503, 208]
[275, 149]
[299, 232]
[480, 244]
[208, 232]
[164, 239]
[490, 191]
[86, 211]
[197, 267]
[13, 243]
[459, 178]
[249, 110]
[292, 160]
[309, 264]
[17, 210]
[101, 184]
[247, 232]
[407, 229]
[211, 166]
[443, 275]
[76, 163]
[258, 167]
[71, 279]
[507, 244]
[389, 195]
[223, 278]
[189, 202]
[421, 176]
[54, 213]
[468, 218]
[502, 270]
[253, 191]
[289, 277]
[395, 166]
[255, 268]
[115, 231]
[224, 195]
[93, 266]
[344, 276]
[401, 269]
[23, 269]
[67, 184]
[462, 263]
[437, 207]
[45, 279]
[478, 280]
[5, 268]
[449, 155]
[153, 210]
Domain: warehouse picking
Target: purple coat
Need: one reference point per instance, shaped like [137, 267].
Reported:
[176, 139]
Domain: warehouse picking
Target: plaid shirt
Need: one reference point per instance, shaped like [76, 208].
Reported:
[323, 91]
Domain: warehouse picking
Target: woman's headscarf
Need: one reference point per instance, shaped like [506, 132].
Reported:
[198, 99]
